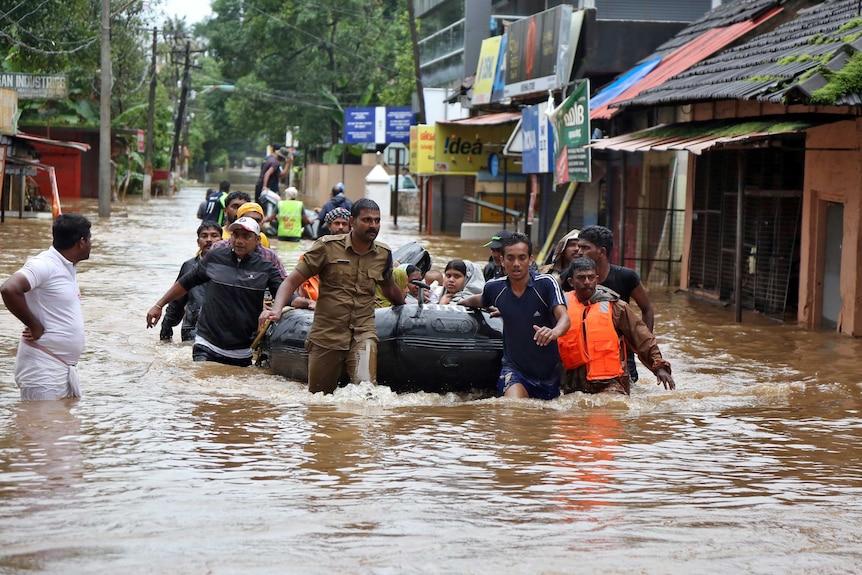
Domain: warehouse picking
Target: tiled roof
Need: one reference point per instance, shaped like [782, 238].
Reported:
[726, 14]
[781, 65]
[683, 58]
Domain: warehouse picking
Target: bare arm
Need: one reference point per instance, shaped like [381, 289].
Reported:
[392, 292]
[174, 292]
[13, 290]
[266, 176]
[474, 300]
[545, 335]
[641, 298]
[282, 296]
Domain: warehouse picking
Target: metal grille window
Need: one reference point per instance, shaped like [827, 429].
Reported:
[772, 207]
[657, 252]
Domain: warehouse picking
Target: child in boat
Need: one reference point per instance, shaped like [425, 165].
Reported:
[462, 279]
[414, 273]
[434, 278]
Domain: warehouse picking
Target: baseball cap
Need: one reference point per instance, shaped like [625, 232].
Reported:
[283, 152]
[246, 223]
[496, 242]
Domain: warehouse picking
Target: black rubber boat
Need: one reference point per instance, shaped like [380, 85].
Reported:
[431, 348]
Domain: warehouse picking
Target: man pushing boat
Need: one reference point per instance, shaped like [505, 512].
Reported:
[343, 333]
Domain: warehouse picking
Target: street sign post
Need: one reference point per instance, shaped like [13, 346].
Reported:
[395, 155]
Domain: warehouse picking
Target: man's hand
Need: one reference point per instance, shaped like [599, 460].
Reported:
[664, 378]
[153, 316]
[543, 335]
[32, 335]
[268, 315]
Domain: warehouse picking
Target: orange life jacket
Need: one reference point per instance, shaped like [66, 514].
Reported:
[311, 286]
[592, 340]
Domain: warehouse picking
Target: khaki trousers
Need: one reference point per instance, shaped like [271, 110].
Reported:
[326, 365]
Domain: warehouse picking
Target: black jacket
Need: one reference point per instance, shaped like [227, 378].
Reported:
[234, 295]
[185, 309]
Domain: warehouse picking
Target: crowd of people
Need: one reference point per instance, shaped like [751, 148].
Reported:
[566, 327]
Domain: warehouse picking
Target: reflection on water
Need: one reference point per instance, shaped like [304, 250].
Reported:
[169, 466]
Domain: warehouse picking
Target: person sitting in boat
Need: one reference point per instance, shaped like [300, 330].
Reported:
[593, 351]
[462, 279]
[494, 267]
[414, 273]
[434, 279]
[399, 276]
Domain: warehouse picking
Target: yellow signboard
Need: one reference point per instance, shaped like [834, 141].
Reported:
[486, 70]
[464, 148]
[8, 112]
[422, 150]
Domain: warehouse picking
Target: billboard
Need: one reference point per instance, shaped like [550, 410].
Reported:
[537, 134]
[377, 125]
[571, 124]
[422, 150]
[36, 86]
[540, 51]
[487, 70]
[464, 149]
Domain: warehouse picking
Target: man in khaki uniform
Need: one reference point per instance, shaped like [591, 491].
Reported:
[343, 332]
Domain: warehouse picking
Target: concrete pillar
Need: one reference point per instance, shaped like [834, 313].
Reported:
[377, 189]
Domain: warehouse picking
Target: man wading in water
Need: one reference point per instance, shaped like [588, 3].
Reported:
[343, 333]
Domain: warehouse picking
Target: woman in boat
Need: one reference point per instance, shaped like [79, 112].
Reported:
[461, 279]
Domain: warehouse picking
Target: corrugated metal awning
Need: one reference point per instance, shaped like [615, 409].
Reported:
[487, 119]
[80, 146]
[697, 137]
[682, 59]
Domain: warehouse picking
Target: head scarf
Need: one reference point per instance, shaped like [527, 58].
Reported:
[249, 207]
[336, 213]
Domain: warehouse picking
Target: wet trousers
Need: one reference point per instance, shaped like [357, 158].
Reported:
[325, 366]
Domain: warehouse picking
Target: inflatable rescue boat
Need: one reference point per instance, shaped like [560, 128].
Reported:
[429, 347]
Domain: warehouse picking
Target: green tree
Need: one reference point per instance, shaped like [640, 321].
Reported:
[300, 64]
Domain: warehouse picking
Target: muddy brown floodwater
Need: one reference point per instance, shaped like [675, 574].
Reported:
[166, 466]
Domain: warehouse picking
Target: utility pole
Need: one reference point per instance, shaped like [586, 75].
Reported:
[105, 115]
[181, 112]
[414, 38]
[151, 120]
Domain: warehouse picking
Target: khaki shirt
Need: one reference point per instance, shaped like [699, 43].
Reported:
[345, 306]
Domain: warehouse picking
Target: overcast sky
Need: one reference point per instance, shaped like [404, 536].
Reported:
[193, 10]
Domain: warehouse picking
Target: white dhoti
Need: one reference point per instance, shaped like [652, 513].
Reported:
[41, 375]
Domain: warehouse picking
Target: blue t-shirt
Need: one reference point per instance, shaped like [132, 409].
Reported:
[534, 307]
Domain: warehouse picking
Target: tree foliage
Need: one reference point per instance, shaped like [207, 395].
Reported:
[299, 64]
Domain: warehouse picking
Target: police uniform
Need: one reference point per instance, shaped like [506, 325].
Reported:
[343, 331]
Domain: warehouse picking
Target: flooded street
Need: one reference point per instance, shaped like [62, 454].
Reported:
[166, 466]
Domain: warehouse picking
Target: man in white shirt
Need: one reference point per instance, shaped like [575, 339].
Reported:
[44, 295]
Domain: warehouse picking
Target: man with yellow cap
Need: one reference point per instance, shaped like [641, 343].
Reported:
[254, 211]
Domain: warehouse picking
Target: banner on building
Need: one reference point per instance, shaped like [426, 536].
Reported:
[571, 125]
[422, 150]
[36, 86]
[537, 134]
[499, 90]
[465, 148]
[540, 51]
[483, 86]
[8, 112]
